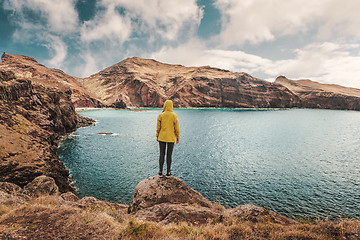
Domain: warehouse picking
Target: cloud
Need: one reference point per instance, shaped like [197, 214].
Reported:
[58, 51]
[135, 28]
[256, 21]
[160, 17]
[60, 16]
[325, 62]
[107, 25]
[196, 53]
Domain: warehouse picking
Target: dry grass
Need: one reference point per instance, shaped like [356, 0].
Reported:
[52, 218]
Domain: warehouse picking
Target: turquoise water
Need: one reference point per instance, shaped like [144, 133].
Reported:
[300, 163]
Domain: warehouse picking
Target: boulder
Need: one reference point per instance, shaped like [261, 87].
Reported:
[69, 196]
[250, 212]
[12, 199]
[9, 188]
[160, 189]
[40, 186]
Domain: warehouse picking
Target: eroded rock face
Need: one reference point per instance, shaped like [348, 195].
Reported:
[160, 189]
[33, 118]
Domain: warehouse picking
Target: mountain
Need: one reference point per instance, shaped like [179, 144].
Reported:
[137, 82]
[325, 96]
[28, 68]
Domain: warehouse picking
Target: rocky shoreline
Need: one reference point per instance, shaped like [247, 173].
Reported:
[162, 208]
[33, 119]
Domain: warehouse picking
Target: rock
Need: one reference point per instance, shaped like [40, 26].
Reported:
[11, 199]
[35, 112]
[9, 188]
[40, 186]
[69, 196]
[156, 190]
[17, 66]
[11, 194]
[169, 213]
[83, 121]
[254, 213]
[325, 96]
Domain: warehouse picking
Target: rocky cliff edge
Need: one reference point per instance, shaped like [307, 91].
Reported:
[33, 118]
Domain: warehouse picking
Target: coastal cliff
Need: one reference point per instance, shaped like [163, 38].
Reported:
[33, 118]
[323, 96]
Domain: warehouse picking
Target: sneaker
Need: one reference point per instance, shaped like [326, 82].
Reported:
[160, 173]
[168, 174]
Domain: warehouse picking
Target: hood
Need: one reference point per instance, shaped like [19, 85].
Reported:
[168, 106]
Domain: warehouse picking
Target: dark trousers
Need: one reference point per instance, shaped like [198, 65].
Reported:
[170, 147]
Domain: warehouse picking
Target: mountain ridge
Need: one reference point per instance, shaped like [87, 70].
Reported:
[137, 82]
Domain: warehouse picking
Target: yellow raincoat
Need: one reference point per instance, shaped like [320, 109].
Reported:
[167, 129]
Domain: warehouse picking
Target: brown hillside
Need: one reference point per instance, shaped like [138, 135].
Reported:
[317, 95]
[137, 82]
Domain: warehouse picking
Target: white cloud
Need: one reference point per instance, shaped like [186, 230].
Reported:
[195, 53]
[107, 25]
[60, 16]
[141, 26]
[162, 17]
[58, 51]
[90, 66]
[324, 62]
[257, 21]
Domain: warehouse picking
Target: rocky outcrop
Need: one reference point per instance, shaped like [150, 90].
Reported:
[27, 68]
[38, 212]
[161, 189]
[33, 118]
[41, 186]
[137, 82]
[168, 199]
[324, 96]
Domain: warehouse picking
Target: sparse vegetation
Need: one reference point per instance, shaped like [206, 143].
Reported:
[51, 216]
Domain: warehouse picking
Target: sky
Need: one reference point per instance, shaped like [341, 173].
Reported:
[299, 39]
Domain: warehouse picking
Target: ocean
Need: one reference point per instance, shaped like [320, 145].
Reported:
[301, 163]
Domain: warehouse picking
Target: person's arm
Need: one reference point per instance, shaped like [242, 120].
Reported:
[158, 126]
[177, 131]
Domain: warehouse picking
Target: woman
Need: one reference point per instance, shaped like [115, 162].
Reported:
[167, 133]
